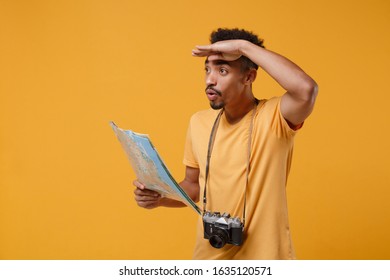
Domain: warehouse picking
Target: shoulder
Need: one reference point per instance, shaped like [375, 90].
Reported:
[271, 103]
[270, 114]
[201, 122]
[204, 116]
[268, 107]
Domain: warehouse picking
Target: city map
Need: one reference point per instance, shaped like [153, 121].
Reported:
[149, 167]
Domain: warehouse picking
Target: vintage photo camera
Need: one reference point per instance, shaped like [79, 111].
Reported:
[221, 229]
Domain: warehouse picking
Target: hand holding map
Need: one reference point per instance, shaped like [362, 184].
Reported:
[149, 167]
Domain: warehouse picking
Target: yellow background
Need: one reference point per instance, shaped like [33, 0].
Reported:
[69, 67]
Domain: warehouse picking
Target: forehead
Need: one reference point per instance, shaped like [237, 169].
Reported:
[219, 62]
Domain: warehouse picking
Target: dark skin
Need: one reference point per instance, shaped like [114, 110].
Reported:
[224, 75]
[150, 199]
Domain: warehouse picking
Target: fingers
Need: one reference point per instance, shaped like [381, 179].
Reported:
[204, 47]
[138, 185]
[145, 198]
[203, 51]
[146, 195]
[209, 54]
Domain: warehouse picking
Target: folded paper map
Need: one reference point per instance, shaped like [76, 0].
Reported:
[149, 167]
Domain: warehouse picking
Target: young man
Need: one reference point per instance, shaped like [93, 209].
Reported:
[249, 152]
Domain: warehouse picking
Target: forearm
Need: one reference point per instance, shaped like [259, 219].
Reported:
[290, 76]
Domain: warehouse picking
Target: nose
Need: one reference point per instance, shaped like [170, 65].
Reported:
[211, 79]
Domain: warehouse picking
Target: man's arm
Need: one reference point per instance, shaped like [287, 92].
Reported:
[150, 199]
[301, 90]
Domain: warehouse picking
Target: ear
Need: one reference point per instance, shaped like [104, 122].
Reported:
[250, 77]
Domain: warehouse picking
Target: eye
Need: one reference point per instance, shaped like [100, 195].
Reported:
[207, 70]
[223, 71]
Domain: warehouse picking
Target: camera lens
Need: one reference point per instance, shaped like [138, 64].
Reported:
[219, 238]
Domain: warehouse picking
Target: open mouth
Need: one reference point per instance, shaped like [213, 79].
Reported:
[212, 94]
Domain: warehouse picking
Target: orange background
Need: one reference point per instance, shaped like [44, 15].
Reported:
[69, 67]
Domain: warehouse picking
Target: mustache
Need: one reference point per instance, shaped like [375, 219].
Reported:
[213, 89]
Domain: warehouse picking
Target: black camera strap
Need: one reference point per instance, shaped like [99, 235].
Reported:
[210, 149]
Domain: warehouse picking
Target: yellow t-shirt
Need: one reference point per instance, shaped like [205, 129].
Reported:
[267, 231]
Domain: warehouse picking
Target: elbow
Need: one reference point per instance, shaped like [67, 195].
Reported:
[309, 91]
[313, 90]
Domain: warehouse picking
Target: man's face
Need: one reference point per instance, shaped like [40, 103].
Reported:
[224, 82]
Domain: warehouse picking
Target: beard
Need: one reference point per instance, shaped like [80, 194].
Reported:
[214, 104]
[217, 106]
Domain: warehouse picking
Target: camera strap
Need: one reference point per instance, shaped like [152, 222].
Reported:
[210, 149]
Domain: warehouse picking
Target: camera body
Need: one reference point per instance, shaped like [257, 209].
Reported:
[221, 229]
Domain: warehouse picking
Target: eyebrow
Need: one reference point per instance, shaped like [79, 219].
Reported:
[218, 62]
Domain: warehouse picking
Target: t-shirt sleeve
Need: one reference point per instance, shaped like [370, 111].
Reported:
[278, 122]
[189, 156]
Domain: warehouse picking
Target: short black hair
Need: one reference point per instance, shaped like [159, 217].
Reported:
[222, 34]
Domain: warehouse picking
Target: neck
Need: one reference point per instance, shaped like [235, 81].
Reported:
[235, 113]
